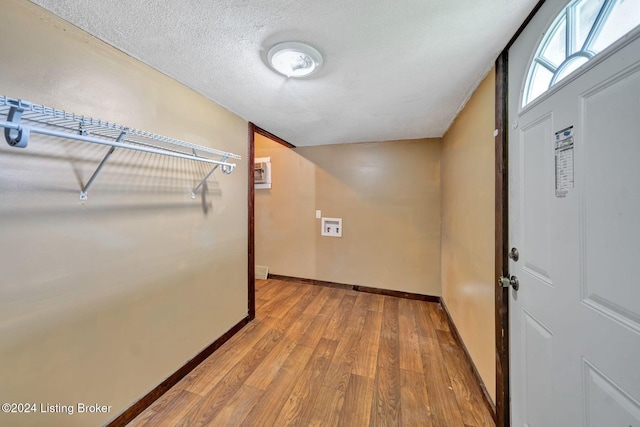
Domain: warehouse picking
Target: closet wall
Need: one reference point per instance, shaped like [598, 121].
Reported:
[101, 300]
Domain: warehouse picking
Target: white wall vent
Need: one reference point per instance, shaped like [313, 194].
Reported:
[262, 272]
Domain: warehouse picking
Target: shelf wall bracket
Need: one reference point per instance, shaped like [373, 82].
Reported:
[83, 192]
[195, 190]
[16, 136]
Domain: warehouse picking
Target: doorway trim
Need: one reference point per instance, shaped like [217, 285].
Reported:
[272, 137]
[251, 267]
[503, 394]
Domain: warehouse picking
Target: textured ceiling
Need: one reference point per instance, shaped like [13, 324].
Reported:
[392, 69]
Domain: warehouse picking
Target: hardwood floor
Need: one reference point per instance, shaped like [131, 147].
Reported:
[319, 356]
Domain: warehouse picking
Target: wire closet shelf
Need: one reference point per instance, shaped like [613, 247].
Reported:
[24, 118]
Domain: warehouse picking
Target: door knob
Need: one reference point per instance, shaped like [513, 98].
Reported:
[509, 281]
[514, 254]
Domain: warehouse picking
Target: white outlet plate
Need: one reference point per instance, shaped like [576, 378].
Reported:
[331, 227]
[318, 214]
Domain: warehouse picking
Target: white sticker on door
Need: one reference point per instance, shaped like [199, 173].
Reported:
[564, 161]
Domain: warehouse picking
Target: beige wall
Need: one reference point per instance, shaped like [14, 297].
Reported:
[468, 214]
[100, 301]
[388, 195]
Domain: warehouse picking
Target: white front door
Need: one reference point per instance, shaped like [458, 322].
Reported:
[574, 217]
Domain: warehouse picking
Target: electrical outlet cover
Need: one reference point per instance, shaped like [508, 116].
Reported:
[331, 227]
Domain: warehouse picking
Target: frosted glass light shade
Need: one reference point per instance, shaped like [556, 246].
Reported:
[294, 59]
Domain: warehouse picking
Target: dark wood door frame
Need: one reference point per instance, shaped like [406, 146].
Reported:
[271, 136]
[502, 234]
[503, 406]
[251, 268]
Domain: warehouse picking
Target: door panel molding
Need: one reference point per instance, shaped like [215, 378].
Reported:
[592, 313]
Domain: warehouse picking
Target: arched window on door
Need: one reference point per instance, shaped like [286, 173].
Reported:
[582, 30]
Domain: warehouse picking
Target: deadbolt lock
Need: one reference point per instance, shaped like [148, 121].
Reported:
[514, 254]
[509, 281]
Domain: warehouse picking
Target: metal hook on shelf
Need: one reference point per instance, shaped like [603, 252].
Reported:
[16, 136]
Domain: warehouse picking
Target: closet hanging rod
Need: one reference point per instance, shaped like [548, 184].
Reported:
[24, 118]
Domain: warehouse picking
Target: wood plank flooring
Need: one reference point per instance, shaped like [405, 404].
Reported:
[319, 356]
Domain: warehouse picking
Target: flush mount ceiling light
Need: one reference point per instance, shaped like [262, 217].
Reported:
[294, 59]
